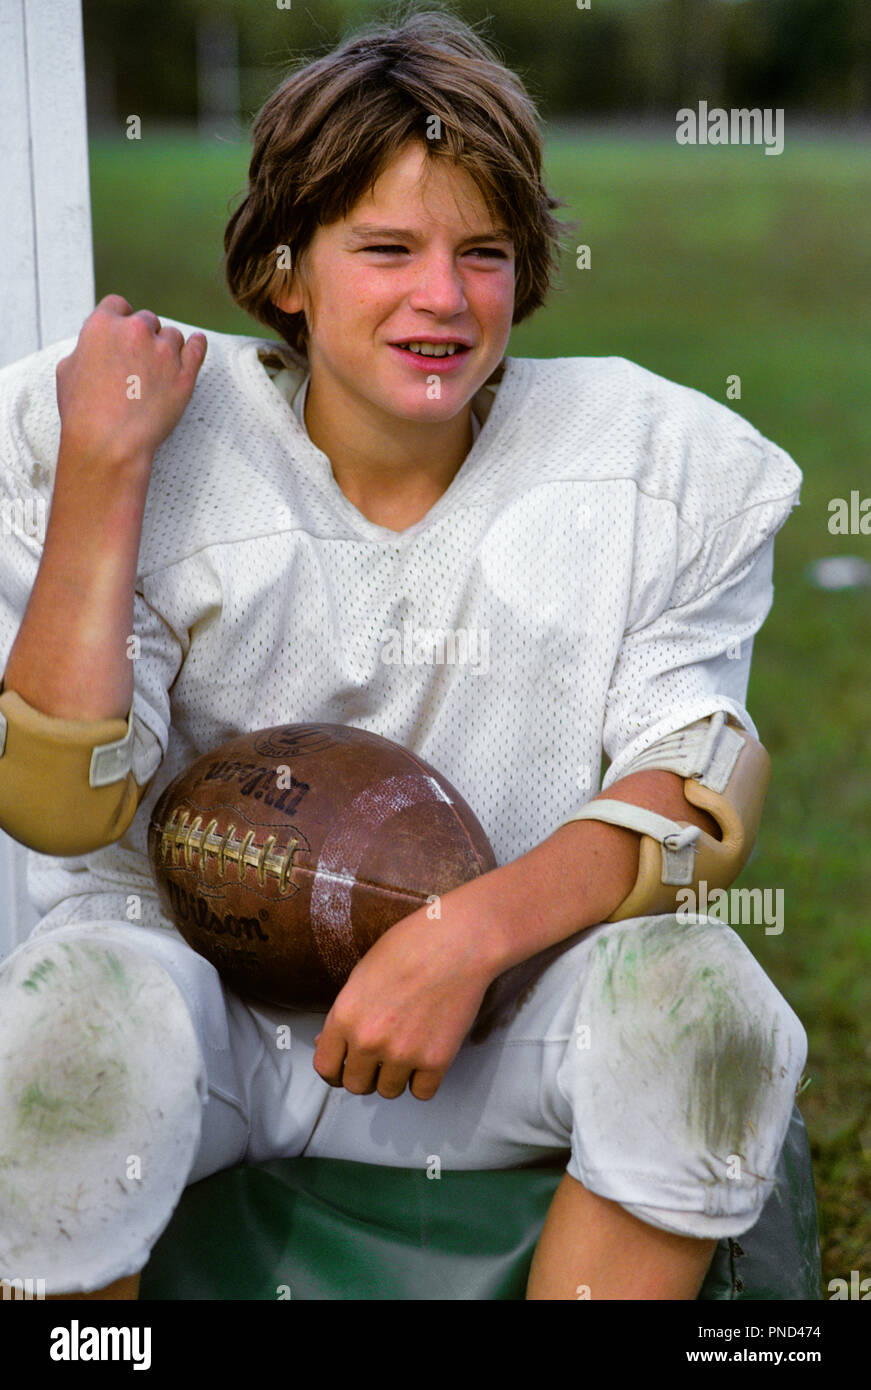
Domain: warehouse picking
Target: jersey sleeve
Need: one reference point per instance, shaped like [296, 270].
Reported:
[689, 657]
[61, 814]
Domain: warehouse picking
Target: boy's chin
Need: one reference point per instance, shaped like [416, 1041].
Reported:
[412, 414]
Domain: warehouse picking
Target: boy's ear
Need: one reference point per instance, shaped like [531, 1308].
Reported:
[289, 301]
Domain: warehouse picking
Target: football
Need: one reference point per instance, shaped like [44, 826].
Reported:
[283, 855]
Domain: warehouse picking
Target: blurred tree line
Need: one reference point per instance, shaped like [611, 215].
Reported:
[617, 57]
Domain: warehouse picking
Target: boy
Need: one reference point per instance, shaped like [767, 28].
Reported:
[233, 537]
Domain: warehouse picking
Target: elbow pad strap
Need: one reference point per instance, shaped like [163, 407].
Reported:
[66, 785]
[726, 773]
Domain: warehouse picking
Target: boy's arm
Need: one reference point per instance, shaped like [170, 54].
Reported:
[69, 658]
[412, 999]
[69, 663]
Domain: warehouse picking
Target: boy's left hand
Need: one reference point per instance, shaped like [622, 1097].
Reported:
[405, 1010]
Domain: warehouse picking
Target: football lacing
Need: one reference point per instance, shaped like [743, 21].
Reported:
[178, 835]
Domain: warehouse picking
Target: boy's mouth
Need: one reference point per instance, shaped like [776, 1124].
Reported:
[430, 356]
[426, 348]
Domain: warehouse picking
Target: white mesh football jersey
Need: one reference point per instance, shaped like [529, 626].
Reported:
[591, 580]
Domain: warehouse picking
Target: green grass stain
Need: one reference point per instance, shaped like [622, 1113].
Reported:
[38, 975]
[630, 966]
[77, 1100]
[657, 970]
[116, 971]
[732, 1067]
[33, 1096]
[623, 960]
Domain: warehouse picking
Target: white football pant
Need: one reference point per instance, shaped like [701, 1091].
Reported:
[654, 1054]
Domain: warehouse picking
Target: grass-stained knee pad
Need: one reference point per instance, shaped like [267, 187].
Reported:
[101, 1087]
[681, 1074]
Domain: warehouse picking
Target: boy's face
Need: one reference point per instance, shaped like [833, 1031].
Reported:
[417, 261]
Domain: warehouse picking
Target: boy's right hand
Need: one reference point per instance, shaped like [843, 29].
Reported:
[126, 385]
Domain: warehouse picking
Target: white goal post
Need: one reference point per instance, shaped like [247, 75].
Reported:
[46, 255]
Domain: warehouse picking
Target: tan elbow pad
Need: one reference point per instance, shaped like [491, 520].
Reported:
[66, 785]
[726, 773]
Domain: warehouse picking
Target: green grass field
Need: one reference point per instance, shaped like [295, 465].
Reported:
[706, 262]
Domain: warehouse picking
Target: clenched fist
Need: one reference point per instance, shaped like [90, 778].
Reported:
[126, 385]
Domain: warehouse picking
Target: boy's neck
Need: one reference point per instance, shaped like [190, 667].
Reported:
[395, 479]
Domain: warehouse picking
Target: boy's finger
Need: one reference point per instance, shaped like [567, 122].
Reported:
[194, 351]
[329, 1058]
[424, 1084]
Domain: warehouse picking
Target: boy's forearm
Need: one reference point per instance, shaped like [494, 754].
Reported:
[70, 659]
[70, 656]
[575, 879]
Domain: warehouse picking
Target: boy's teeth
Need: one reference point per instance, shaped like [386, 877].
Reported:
[432, 349]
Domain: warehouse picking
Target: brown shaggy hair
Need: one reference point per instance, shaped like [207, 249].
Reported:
[326, 134]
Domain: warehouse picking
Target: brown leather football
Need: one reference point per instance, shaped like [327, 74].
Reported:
[283, 855]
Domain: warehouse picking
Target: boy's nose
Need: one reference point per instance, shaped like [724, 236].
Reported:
[439, 287]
